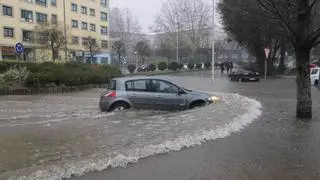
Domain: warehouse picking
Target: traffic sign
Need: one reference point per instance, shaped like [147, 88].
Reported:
[266, 52]
[19, 48]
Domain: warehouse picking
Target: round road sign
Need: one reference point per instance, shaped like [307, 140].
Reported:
[19, 48]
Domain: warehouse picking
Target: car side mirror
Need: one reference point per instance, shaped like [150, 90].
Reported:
[180, 91]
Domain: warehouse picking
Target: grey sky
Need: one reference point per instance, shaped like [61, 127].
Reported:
[145, 10]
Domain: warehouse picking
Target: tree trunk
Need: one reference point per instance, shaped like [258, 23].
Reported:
[304, 102]
[91, 54]
[53, 52]
[282, 58]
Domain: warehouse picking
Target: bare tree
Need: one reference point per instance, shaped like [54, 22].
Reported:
[124, 25]
[120, 48]
[92, 46]
[300, 19]
[143, 49]
[190, 17]
[50, 36]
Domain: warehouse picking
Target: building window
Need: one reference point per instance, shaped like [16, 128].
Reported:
[8, 32]
[84, 25]
[92, 12]
[53, 2]
[85, 41]
[74, 23]
[74, 7]
[28, 1]
[104, 30]
[104, 2]
[7, 10]
[92, 27]
[104, 44]
[83, 10]
[27, 36]
[75, 40]
[41, 2]
[54, 19]
[104, 16]
[27, 15]
[41, 18]
[42, 38]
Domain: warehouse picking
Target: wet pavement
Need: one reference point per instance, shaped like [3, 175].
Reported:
[57, 136]
[277, 146]
[50, 137]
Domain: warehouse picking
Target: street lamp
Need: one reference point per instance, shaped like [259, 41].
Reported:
[213, 38]
[135, 58]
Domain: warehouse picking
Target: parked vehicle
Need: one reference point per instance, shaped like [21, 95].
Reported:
[144, 92]
[143, 68]
[314, 76]
[243, 75]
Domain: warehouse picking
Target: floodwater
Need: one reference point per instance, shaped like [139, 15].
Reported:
[58, 136]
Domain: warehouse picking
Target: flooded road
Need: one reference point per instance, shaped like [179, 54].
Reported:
[57, 136]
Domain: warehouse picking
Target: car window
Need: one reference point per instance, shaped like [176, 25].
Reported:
[163, 87]
[137, 85]
[314, 71]
[113, 85]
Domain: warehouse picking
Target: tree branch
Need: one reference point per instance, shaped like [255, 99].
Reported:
[274, 10]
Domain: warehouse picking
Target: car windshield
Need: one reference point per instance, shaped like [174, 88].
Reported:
[314, 71]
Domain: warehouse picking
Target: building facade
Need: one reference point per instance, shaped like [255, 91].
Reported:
[80, 19]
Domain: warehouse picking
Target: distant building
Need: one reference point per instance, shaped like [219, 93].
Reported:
[84, 18]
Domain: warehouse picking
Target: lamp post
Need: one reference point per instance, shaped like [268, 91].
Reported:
[213, 38]
[65, 30]
[178, 28]
[135, 58]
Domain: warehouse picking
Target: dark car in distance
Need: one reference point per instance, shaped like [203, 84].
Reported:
[242, 75]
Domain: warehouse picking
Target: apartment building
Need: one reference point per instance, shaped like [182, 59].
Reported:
[80, 19]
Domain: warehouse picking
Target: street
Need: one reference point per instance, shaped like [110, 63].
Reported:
[57, 136]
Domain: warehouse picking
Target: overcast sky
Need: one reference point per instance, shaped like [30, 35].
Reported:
[145, 10]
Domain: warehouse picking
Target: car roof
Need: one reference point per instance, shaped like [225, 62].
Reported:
[143, 77]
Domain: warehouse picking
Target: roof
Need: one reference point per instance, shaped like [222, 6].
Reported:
[143, 77]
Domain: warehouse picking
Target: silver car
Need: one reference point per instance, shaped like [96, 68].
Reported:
[151, 92]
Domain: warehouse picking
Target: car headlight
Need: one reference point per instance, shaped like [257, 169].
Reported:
[214, 99]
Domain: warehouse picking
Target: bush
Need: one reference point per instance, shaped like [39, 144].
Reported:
[152, 67]
[131, 68]
[162, 66]
[191, 66]
[207, 64]
[198, 65]
[180, 66]
[173, 66]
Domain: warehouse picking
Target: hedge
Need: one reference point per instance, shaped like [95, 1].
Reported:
[68, 74]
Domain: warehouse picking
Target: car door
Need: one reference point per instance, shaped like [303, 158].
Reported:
[167, 96]
[138, 93]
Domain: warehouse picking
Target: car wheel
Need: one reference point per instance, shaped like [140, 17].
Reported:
[119, 106]
[316, 83]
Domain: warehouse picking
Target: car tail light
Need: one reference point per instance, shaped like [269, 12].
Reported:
[111, 94]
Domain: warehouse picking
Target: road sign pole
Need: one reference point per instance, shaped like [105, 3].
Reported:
[265, 69]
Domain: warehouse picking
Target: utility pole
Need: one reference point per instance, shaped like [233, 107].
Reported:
[213, 38]
[178, 28]
[65, 30]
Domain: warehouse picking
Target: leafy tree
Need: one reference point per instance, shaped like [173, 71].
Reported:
[50, 36]
[92, 46]
[174, 66]
[120, 49]
[162, 66]
[299, 19]
[131, 68]
[143, 49]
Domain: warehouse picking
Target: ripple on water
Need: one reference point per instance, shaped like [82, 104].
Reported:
[116, 139]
